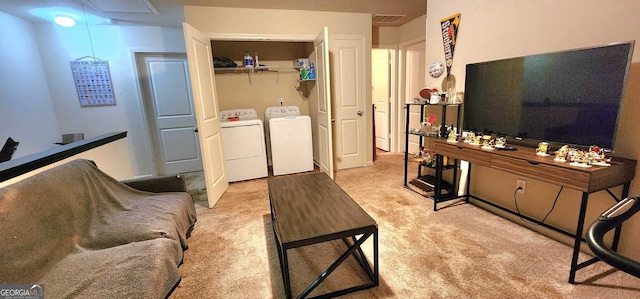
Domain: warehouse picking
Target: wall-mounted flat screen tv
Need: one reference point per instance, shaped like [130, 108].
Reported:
[571, 97]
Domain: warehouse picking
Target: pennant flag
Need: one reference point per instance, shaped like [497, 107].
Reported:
[449, 26]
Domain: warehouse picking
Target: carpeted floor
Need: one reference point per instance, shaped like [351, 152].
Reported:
[461, 251]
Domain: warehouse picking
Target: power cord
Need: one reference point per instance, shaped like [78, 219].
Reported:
[554, 204]
[515, 200]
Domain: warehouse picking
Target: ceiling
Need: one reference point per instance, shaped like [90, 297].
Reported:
[170, 13]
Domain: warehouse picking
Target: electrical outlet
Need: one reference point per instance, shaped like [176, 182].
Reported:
[281, 102]
[522, 185]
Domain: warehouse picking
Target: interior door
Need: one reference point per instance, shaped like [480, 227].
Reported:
[322, 105]
[349, 99]
[380, 70]
[205, 101]
[415, 81]
[166, 90]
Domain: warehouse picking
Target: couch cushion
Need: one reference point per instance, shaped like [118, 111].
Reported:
[147, 269]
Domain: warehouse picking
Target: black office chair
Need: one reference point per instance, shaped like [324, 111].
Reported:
[609, 220]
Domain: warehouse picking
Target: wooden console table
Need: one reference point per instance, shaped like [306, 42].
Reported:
[310, 209]
[525, 162]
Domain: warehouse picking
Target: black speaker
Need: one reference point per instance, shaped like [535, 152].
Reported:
[8, 149]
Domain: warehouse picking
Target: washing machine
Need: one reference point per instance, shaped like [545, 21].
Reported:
[243, 145]
[289, 143]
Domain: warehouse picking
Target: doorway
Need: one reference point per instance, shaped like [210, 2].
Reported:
[168, 106]
[382, 64]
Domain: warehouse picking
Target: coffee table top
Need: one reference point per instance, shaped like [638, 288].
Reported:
[312, 208]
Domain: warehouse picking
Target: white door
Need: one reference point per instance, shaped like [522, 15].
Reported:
[166, 90]
[349, 100]
[380, 71]
[414, 82]
[321, 105]
[205, 101]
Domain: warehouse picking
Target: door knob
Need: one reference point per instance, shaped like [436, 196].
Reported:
[359, 113]
[195, 130]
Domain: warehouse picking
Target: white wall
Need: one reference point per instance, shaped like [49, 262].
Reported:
[415, 29]
[494, 29]
[26, 112]
[238, 22]
[116, 44]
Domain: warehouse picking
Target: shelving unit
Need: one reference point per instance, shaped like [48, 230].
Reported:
[433, 185]
[251, 70]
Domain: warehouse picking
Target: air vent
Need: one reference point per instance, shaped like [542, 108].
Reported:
[123, 6]
[386, 19]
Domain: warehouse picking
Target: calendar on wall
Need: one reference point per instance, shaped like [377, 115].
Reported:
[93, 83]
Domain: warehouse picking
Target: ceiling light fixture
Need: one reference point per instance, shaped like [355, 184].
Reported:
[64, 21]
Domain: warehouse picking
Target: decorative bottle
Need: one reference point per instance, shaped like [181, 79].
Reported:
[248, 60]
[312, 71]
[255, 59]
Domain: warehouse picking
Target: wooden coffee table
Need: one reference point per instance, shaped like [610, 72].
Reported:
[310, 209]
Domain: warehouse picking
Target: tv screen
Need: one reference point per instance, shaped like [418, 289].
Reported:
[571, 97]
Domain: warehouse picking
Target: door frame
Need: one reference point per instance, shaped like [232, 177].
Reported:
[289, 38]
[399, 102]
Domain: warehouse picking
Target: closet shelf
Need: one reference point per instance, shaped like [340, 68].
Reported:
[254, 70]
[246, 69]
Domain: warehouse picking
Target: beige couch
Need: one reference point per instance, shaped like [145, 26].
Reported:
[82, 234]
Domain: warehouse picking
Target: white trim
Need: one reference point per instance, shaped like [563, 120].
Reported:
[401, 113]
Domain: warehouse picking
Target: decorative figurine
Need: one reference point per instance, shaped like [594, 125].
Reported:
[453, 137]
[487, 142]
[543, 148]
[500, 142]
[469, 136]
[476, 140]
[562, 153]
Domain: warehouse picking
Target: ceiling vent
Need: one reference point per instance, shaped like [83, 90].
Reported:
[123, 6]
[386, 19]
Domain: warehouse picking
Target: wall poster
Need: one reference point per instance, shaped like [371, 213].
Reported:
[93, 82]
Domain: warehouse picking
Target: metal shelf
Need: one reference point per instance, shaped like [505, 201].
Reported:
[432, 185]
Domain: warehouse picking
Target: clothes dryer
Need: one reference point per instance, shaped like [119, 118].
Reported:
[275, 112]
[290, 140]
[243, 145]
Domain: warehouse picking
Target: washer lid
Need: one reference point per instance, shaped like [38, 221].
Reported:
[239, 123]
[238, 114]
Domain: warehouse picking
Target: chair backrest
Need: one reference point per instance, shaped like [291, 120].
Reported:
[610, 219]
[8, 149]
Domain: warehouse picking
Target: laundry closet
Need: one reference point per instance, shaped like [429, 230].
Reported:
[280, 75]
[274, 81]
[337, 101]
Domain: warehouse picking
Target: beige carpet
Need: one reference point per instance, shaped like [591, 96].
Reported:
[461, 251]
